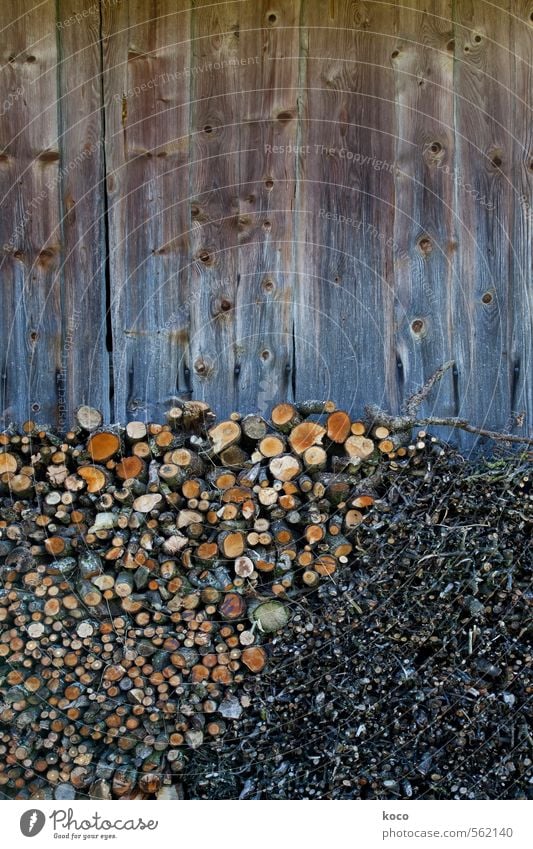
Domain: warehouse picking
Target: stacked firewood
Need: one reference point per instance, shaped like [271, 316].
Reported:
[145, 570]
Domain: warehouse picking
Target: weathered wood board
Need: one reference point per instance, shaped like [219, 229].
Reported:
[520, 320]
[481, 298]
[85, 336]
[146, 48]
[344, 308]
[33, 375]
[422, 56]
[268, 121]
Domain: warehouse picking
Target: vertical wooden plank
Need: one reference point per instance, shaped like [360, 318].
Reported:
[481, 307]
[30, 162]
[424, 247]
[344, 330]
[521, 288]
[146, 55]
[266, 103]
[84, 353]
[214, 196]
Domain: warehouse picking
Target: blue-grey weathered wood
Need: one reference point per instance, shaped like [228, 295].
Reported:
[82, 209]
[483, 202]
[146, 51]
[422, 57]
[33, 375]
[343, 328]
[397, 236]
[521, 263]
[268, 120]
[214, 203]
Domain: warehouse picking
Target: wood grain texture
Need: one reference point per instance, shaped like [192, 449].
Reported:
[82, 210]
[260, 201]
[268, 123]
[424, 248]
[214, 199]
[481, 303]
[521, 264]
[343, 327]
[146, 52]
[33, 377]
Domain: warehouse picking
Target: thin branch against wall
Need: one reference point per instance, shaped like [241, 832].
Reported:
[410, 419]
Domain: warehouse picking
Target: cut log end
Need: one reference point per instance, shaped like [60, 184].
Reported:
[89, 418]
[103, 445]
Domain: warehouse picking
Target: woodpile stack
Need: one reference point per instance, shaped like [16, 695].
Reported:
[145, 571]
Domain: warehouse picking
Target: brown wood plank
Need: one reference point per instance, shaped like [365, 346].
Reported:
[146, 56]
[521, 290]
[481, 305]
[215, 205]
[344, 339]
[85, 356]
[32, 370]
[266, 103]
[422, 56]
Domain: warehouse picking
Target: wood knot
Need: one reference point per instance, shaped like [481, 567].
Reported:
[202, 367]
[48, 156]
[425, 245]
[46, 257]
[268, 285]
[225, 305]
[434, 152]
[267, 225]
[205, 257]
[417, 326]
[269, 184]
[243, 222]
[487, 298]
[285, 117]
[208, 129]
[272, 18]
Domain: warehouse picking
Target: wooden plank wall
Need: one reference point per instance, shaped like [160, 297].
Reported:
[246, 201]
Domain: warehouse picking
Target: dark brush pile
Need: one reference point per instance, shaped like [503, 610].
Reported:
[409, 676]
